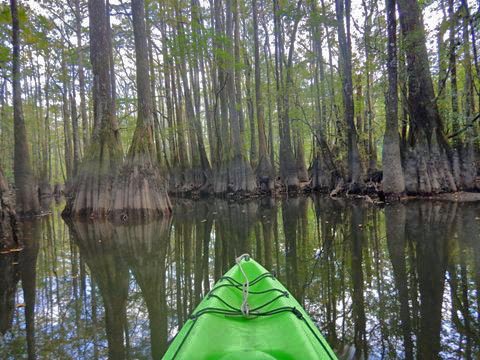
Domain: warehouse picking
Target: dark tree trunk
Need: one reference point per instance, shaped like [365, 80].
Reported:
[26, 195]
[265, 173]
[466, 153]
[427, 161]
[240, 174]
[141, 191]
[393, 181]
[452, 64]
[345, 59]
[91, 193]
[288, 166]
[324, 171]
[198, 66]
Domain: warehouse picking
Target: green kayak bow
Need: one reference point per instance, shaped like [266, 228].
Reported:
[249, 314]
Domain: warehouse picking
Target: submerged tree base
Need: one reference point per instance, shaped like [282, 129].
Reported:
[90, 193]
[265, 175]
[89, 197]
[140, 192]
[189, 181]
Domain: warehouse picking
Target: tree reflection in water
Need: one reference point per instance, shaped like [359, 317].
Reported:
[397, 282]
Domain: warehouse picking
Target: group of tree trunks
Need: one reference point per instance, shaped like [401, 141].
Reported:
[105, 183]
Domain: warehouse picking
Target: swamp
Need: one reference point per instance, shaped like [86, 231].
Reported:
[389, 283]
[145, 145]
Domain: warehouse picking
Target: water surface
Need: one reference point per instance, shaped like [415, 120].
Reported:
[396, 282]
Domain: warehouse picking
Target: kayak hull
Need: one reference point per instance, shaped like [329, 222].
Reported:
[276, 326]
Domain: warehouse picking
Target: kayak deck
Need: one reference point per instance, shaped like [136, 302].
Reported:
[276, 327]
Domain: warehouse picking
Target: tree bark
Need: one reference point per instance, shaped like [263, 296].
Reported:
[91, 192]
[240, 175]
[428, 159]
[345, 58]
[288, 166]
[452, 64]
[265, 173]
[325, 174]
[393, 181]
[26, 195]
[141, 191]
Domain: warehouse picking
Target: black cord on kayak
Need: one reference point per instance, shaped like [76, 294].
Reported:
[240, 288]
[253, 282]
[316, 336]
[253, 312]
[184, 338]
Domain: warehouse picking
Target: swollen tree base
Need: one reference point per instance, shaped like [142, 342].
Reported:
[189, 181]
[325, 178]
[464, 168]
[90, 193]
[265, 175]
[240, 176]
[427, 169]
[234, 177]
[140, 191]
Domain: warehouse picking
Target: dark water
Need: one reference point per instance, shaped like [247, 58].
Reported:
[398, 282]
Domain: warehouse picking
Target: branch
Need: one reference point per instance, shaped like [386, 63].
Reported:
[465, 128]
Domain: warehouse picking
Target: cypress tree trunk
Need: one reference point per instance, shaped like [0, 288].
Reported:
[324, 171]
[91, 192]
[198, 66]
[452, 64]
[393, 181]
[467, 151]
[240, 174]
[141, 191]
[222, 136]
[345, 59]
[428, 159]
[26, 195]
[265, 173]
[288, 168]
